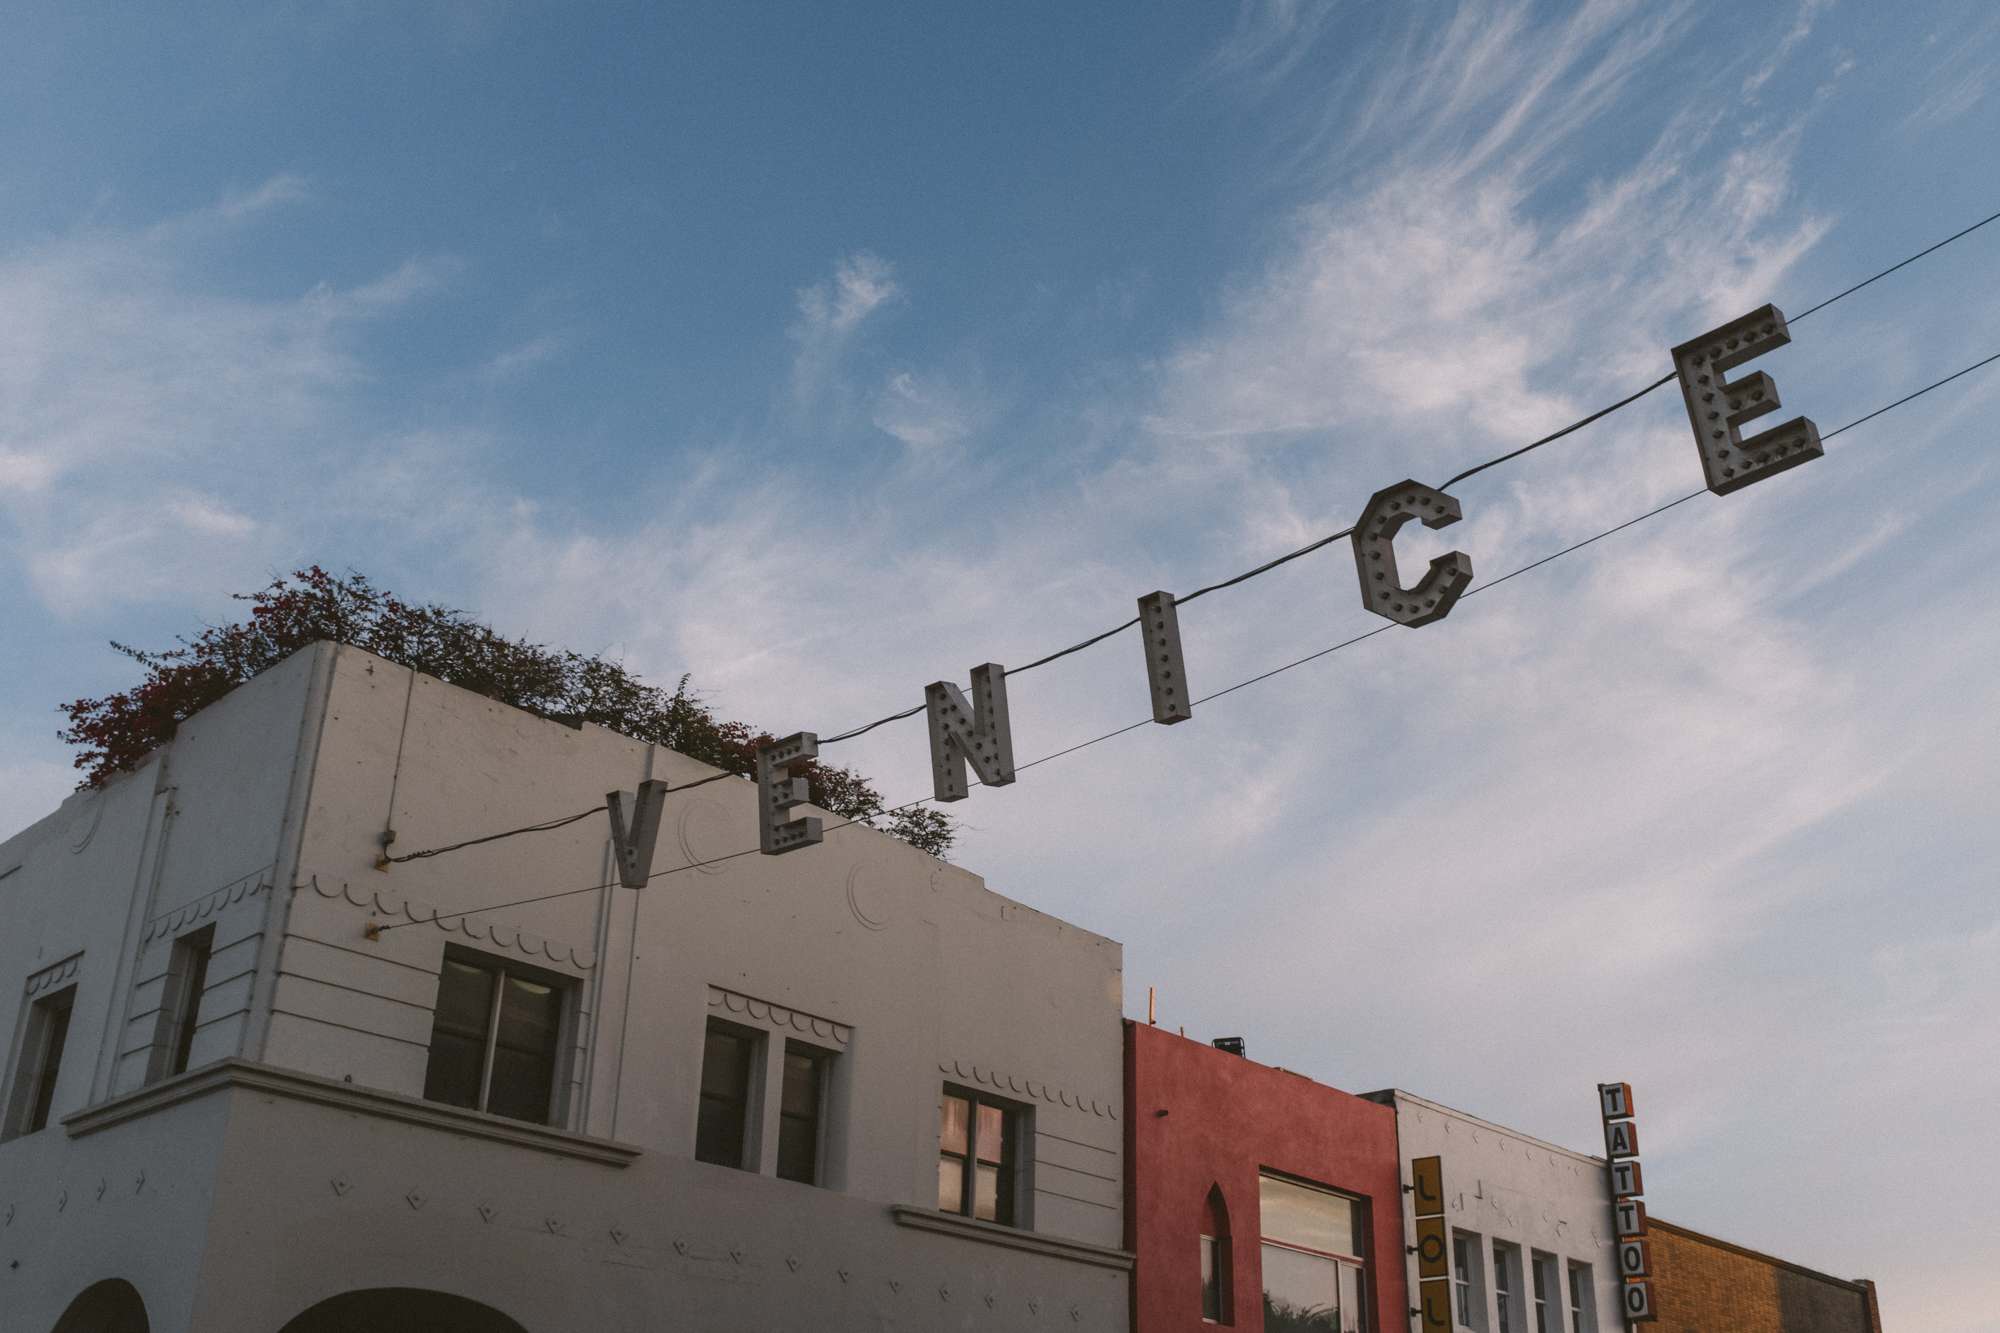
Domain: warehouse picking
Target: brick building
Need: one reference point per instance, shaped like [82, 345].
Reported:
[1703, 1285]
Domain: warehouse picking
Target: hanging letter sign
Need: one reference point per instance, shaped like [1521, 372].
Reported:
[1433, 1272]
[1166, 674]
[635, 830]
[778, 791]
[1382, 589]
[975, 733]
[1718, 407]
[1628, 1214]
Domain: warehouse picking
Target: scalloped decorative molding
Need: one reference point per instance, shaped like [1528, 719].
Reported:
[386, 901]
[170, 922]
[54, 975]
[1026, 1087]
[779, 1016]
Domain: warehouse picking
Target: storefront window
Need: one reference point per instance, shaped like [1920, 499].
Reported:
[1313, 1269]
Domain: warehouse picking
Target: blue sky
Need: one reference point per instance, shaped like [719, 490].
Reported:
[826, 351]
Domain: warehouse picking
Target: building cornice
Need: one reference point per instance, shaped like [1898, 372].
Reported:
[1012, 1238]
[269, 1080]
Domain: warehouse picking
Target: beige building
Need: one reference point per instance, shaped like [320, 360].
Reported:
[256, 1083]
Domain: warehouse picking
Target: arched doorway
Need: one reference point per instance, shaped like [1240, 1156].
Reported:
[401, 1310]
[110, 1306]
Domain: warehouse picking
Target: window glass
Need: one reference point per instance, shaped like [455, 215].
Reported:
[951, 1184]
[458, 1034]
[725, 1096]
[1503, 1286]
[1581, 1316]
[1211, 1280]
[524, 1050]
[192, 951]
[1309, 1218]
[976, 1157]
[1545, 1284]
[32, 1099]
[496, 1039]
[1312, 1277]
[798, 1117]
[1301, 1291]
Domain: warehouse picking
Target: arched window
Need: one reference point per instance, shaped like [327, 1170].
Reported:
[400, 1310]
[1217, 1299]
[110, 1306]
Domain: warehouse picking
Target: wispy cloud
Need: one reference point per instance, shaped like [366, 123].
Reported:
[831, 312]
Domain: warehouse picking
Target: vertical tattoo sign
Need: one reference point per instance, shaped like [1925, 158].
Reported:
[1628, 1213]
[1433, 1311]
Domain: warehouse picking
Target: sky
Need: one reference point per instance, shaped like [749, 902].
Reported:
[826, 351]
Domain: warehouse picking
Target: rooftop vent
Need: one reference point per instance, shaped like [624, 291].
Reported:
[1234, 1045]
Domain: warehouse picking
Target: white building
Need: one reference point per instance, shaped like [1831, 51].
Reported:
[1529, 1223]
[244, 1085]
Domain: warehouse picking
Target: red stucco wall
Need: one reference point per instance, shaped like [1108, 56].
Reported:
[1227, 1118]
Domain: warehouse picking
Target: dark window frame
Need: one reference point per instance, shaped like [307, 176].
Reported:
[38, 1064]
[561, 1037]
[749, 1119]
[1360, 1261]
[1011, 1185]
[821, 1060]
[180, 1003]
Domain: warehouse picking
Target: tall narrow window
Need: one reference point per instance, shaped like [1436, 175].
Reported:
[1546, 1318]
[40, 1063]
[1313, 1266]
[1505, 1274]
[187, 979]
[1468, 1294]
[1217, 1299]
[496, 1037]
[978, 1154]
[1582, 1300]
[800, 1104]
[728, 1060]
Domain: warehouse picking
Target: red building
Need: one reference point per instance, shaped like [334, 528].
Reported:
[1256, 1198]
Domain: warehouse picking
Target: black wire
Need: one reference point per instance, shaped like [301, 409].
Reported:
[540, 828]
[1918, 394]
[1473, 471]
[1893, 267]
[495, 837]
[1551, 438]
[1266, 567]
[1134, 726]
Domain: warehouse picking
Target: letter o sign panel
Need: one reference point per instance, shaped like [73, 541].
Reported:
[1638, 1301]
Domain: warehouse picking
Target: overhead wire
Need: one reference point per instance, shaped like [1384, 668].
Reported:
[1217, 694]
[1472, 471]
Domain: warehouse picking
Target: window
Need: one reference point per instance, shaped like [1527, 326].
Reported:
[729, 1059]
[180, 1011]
[1582, 1300]
[1506, 1283]
[1217, 1298]
[1313, 1268]
[40, 1062]
[495, 1037]
[979, 1152]
[1468, 1291]
[1547, 1294]
[800, 1104]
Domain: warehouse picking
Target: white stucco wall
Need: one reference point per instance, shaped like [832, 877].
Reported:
[263, 817]
[1502, 1185]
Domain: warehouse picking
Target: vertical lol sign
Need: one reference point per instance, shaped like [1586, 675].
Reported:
[1628, 1213]
[1426, 1187]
